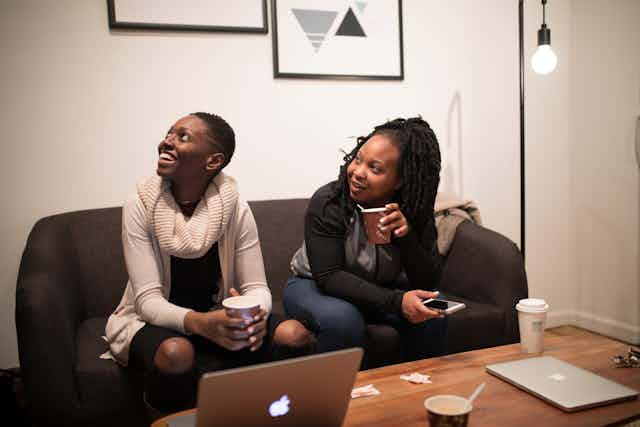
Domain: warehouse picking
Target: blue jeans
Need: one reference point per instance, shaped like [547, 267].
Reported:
[339, 324]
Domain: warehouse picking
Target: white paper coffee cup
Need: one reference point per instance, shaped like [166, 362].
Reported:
[532, 319]
[245, 306]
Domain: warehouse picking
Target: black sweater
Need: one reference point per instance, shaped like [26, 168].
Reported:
[325, 229]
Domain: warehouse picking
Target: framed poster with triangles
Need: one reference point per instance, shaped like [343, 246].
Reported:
[239, 16]
[337, 39]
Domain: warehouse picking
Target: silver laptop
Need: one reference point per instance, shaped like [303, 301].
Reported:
[563, 385]
[304, 391]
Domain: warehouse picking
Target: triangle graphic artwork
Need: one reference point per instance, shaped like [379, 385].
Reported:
[350, 26]
[315, 24]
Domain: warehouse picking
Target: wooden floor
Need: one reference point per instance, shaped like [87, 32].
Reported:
[576, 331]
[564, 331]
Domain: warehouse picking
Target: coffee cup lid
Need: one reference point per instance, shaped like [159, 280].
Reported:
[532, 305]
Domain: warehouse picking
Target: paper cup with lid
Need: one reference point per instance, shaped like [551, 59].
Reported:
[532, 319]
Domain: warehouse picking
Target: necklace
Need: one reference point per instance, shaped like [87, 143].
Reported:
[187, 203]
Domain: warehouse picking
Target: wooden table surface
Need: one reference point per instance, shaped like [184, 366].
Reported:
[500, 404]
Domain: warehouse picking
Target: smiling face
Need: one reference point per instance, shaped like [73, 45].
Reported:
[187, 151]
[373, 173]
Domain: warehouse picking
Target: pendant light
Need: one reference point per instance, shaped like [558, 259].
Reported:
[544, 60]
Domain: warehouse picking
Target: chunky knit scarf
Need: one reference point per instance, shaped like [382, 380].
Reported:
[188, 237]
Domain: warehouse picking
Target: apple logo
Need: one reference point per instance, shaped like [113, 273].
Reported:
[279, 407]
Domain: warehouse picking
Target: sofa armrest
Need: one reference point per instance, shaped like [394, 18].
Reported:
[486, 267]
[48, 312]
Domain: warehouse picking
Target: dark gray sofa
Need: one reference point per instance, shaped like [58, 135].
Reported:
[72, 276]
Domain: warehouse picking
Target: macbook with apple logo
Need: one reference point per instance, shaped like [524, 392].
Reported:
[561, 384]
[304, 391]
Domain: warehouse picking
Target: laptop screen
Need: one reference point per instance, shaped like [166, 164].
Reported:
[311, 390]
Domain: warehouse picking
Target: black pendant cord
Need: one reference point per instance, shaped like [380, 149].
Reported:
[522, 174]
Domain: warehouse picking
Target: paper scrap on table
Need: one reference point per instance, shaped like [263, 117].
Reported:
[365, 390]
[416, 378]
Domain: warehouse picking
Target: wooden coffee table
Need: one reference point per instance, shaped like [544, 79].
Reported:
[500, 404]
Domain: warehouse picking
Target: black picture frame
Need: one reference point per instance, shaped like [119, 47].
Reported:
[116, 23]
[277, 51]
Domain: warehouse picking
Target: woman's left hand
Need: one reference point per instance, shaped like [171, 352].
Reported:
[394, 221]
[414, 310]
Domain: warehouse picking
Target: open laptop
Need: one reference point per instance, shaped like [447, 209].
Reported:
[563, 385]
[304, 391]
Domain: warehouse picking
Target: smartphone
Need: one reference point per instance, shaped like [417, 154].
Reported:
[443, 306]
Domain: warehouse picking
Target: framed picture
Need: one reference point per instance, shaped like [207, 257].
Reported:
[237, 16]
[337, 39]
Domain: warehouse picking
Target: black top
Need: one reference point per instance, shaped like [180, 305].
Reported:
[194, 282]
[325, 229]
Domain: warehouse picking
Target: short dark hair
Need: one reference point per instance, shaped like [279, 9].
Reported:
[418, 168]
[221, 134]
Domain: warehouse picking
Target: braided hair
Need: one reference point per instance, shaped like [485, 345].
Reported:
[221, 134]
[418, 168]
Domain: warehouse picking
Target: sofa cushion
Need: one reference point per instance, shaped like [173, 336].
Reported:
[477, 326]
[486, 266]
[98, 258]
[281, 230]
[104, 387]
[383, 346]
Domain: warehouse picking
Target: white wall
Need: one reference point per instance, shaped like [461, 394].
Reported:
[83, 109]
[605, 103]
[548, 238]
[582, 181]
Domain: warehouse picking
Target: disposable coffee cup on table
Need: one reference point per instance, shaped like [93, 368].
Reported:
[532, 318]
[371, 219]
[447, 410]
[244, 306]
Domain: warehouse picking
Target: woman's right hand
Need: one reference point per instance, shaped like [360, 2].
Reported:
[413, 309]
[232, 333]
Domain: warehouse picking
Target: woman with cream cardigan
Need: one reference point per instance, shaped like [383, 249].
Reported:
[190, 241]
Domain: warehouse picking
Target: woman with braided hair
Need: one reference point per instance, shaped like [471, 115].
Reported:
[340, 281]
[189, 241]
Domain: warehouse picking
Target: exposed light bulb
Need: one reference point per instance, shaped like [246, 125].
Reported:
[544, 60]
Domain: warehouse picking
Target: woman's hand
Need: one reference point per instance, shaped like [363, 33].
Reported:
[413, 309]
[260, 319]
[394, 221]
[232, 333]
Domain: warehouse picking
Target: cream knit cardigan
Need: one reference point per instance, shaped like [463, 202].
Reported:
[146, 295]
